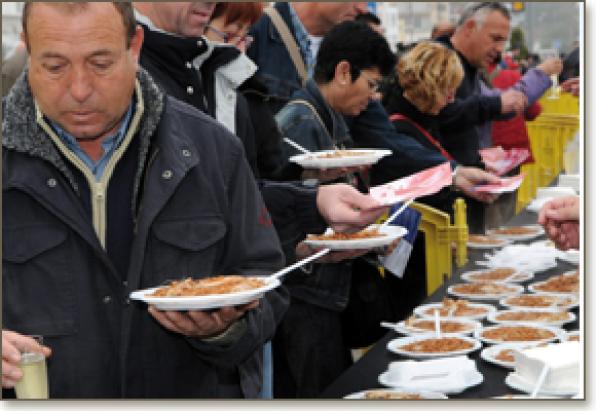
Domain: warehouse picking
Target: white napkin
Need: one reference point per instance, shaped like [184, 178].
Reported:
[533, 258]
[445, 375]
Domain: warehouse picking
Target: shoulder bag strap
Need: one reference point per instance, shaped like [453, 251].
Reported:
[289, 42]
[431, 139]
[314, 111]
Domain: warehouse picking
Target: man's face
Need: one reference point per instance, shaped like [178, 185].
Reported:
[187, 19]
[338, 12]
[489, 40]
[81, 73]
[357, 94]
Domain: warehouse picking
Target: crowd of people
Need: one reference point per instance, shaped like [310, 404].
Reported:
[145, 141]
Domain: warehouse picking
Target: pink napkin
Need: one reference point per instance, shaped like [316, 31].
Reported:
[506, 185]
[502, 161]
[416, 185]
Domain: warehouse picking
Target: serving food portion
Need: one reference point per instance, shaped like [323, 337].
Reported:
[426, 346]
[346, 236]
[503, 354]
[371, 237]
[519, 233]
[485, 241]
[339, 158]
[395, 394]
[485, 290]
[517, 333]
[222, 284]
[455, 308]
[541, 301]
[448, 326]
[554, 318]
[339, 154]
[206, 293]
[503, 274]
[564, 283]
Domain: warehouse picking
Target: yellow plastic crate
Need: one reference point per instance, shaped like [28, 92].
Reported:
[438, 237]
[565, 104]
[549, 135]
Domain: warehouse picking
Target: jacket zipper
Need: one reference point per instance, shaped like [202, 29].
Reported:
[98, 189]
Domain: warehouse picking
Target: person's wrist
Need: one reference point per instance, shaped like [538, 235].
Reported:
[454, 178]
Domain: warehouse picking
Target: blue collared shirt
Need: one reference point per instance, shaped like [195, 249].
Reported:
[303, 41]
[109, 145]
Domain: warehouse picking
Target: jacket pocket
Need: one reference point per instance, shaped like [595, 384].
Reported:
[185, 247]
[38, 287]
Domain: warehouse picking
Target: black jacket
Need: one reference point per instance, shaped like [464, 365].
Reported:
[197, 212]
[169, 60]
[268, 139]
[396, 103]
[459, 120]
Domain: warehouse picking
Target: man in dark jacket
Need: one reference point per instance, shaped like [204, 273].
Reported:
[100, 179]
[184, 63]
[479, 37]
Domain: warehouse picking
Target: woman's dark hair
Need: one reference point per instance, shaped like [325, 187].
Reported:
[357, 44]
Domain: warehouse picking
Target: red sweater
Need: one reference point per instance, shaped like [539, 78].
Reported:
[513, 133]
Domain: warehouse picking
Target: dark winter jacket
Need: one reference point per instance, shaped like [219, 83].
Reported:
[460, 120]
[197, 212]
[268, 139]
[269, 52]
[169, 60]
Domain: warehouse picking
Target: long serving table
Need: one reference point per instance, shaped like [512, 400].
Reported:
[364, 373]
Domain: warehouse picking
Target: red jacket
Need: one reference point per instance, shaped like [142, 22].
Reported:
[513, 133]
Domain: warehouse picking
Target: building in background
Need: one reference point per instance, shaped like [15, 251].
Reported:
[546, 25]
[11, 25]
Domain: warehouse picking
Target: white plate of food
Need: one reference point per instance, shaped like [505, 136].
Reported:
[553, 318]
[566, 283]
[518, 233]
[453, 308]
[541, 301]
[395, 394]
[371, 237]
[570, 336]
[449, 326]
[513, 380]
[502, 354]
[486, 242]
[217, 292]
[339, 158]
[501, 274]
[570, 256]
[517, 333]
[485, 291]
[429, 346]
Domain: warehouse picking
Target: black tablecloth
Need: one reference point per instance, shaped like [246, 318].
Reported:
[364, 373]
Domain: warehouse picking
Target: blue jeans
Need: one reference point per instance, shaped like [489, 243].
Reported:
[267, 390]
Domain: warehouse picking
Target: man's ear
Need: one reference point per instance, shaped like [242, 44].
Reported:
[470, 25]
[136, 43]
[342, 73]
[23, 38]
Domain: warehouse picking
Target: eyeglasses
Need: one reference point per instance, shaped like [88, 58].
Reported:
[373, 84]
[232, 38]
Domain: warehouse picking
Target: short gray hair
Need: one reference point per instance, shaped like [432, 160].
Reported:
[479, 11]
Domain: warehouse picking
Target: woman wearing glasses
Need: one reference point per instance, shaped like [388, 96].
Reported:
[229, 25]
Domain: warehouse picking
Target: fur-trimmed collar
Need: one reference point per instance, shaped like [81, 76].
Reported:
[22, 133]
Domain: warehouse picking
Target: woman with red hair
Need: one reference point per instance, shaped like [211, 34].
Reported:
[229, 26]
